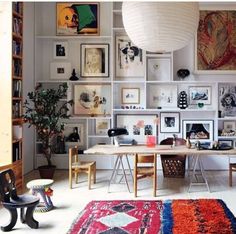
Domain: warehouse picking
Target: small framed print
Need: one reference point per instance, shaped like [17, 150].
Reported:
[74, 134]
[170, 122]
[226, 143]
[229, 126]
[199, 94]
[94, 59]
[130, 96]
[102, 126]
[60, 50]
[60, 70]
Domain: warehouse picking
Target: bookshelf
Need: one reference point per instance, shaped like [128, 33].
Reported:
[11, 89]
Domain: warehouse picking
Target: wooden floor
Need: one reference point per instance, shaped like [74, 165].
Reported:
[70, 202]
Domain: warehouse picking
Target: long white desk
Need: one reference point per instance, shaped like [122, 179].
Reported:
[159, 150]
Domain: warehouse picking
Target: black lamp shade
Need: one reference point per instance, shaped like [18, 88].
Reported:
[117, 132]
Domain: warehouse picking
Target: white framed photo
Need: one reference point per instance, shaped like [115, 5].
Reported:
[199, 94]
[74, 134]
[60, 70]
[170, 122]
[129, 58]
[102, 126]
[60, 50]
[229, 126]
[130, 96]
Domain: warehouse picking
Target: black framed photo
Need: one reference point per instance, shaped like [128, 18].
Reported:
[170, 122]
[60, 50]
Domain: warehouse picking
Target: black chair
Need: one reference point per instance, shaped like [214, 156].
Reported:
[11, 201]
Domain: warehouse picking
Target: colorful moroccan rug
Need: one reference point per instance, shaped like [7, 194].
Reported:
[155, 217]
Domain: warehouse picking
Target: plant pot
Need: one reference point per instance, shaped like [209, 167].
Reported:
[47, 172]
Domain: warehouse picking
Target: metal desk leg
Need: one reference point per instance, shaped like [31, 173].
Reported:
[113, 172]
[130, 171]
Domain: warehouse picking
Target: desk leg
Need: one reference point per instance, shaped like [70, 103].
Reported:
[130, 171]
[198, 161]
[114, 170]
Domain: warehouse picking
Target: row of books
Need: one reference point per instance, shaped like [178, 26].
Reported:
[17, 67]
[16, 47]
[16, 109]
[17, 26]
[17, 7]
[17, 88]
[16, 151]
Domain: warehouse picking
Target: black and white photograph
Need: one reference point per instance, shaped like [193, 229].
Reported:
[199, 94]
[148, 130]
[60, 70]
[170, 122]
[136, 130]
[60, 50]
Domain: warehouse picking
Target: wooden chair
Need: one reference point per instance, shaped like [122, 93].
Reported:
[11, 201]
[232, 168]
[76, 166]
[145, 171]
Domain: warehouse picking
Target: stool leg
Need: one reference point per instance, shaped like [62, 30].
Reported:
[94, 173]
[89, 178]
[13, 220]
[230, 176]
[22, 215]
[29, 219]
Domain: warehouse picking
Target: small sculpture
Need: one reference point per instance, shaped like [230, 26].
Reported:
[182, 100]
[73, 76]
[182, 73]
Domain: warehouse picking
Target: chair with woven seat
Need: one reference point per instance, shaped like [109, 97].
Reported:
[232, 168]
[76, 166]
[147, 169]
[11, 201]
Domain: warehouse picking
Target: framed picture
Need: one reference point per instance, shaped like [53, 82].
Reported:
[60, 70]
[158, 69]
[215, 50]
[60, 50]
[198, 130]
[74, 134]
[94, 59]
[199, 94]
[229, 126]
[129, 58]
[170, 122]
[138, 126]
[227, 99]
[102, 126]
[226, 143]
[162, 96]
[130, 95]
[92, 99]
[77, 18]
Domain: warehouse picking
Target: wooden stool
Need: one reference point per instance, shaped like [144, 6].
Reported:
[232, 167]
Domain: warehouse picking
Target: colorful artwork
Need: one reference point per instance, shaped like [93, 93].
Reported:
[216, 41]
[77, 18]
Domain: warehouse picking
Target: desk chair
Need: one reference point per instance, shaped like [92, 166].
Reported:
[232, 168]
[145, 171]
[76, 166]
[11, 201]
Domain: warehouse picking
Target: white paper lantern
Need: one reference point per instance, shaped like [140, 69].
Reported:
[160, 26]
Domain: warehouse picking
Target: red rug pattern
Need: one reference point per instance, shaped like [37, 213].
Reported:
[153, 217]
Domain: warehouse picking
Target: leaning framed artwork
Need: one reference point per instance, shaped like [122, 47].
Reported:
[199, 94]
[92, 100]
[198, 130]
[77, 18]
[94, 60]
[129, 58]
[214, 47]
[102, 126]
[170, 122]
[60, 70]
[130, 96]
[74, 134]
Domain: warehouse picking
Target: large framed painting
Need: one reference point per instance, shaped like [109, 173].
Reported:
[138, 126]
[92, 100]
[77, 18]
[227, 100]
[198, 130]
[215, 42]
[94, 59]
[129, 58]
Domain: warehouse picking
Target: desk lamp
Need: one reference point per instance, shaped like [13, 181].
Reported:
[115, 132]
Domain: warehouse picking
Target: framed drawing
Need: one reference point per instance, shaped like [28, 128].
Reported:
[92, 100]
[227, 99]
[158, 69]
[199, 94]
[102, 126]
[138, 126]
[229, 126]
[60, 70]
[94, 60]
[130, 96]
[162, 96]
[129, 58]
[198, 130]
[60, 50]
[170, 122]
[74, 134]
[226, 143]
[215, 42]
[77, 18]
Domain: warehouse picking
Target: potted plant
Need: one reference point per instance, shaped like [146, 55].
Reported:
[45, 112]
